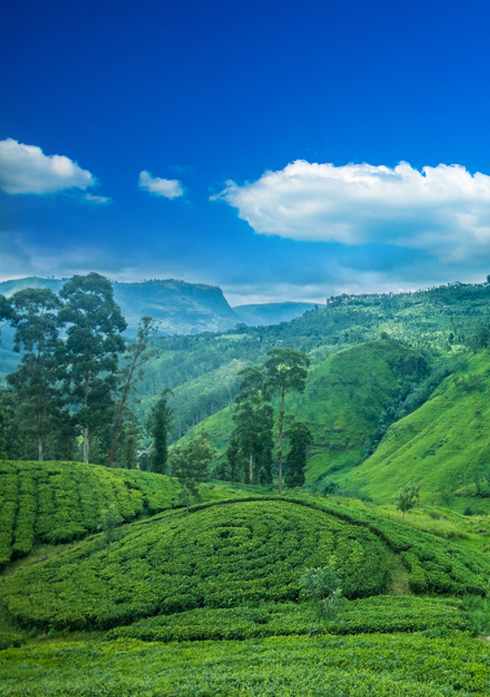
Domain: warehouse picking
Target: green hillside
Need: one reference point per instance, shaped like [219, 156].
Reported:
[227, 554]
[53, 502]
[445, 445]
[342, 402]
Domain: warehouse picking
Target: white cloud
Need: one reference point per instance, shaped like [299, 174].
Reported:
[24, 169]
[99, 200]
[442, 210]
[170, 188]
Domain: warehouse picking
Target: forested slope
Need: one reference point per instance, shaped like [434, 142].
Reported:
[342, 402]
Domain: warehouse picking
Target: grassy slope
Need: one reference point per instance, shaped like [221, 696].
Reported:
[442, 445]
[343, 399]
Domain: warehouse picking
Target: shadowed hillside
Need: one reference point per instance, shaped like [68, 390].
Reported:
[444, 445]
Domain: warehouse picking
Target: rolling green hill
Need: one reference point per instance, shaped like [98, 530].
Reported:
[445, 445]
[229, 553]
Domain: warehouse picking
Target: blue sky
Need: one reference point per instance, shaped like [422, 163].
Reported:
[281, 150]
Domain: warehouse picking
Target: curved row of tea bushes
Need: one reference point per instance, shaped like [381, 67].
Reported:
[393, 665]
[434, 564]
[219, 556]
[55, 502]
[377, 614]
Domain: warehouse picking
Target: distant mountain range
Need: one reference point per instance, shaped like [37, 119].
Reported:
[177, 306]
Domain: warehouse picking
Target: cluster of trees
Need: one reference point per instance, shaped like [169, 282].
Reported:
[250, 452]
[77, 376]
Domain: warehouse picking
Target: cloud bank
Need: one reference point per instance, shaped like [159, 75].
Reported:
[442, 210]
[24, 169]
[170, 188]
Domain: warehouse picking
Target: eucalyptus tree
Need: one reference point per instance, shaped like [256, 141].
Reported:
[160, 423]
[189, 464]
[36, 381]
[93, 343]
[252, 436]
[286, 370]
[137, 354]
[299, 439]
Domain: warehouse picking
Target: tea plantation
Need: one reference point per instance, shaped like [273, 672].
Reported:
[54, 502]
[212, 603]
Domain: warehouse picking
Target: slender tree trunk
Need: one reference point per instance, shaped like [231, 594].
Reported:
[251, 469]
[40, 450]
[117, 422]
[85, 430]
[281, 416]
[85, 444]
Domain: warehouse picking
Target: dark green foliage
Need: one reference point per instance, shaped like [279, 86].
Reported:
[286, 371]
[94, 325]
[189, 464]
[299, 439]
[218, 556]
[251, 441]
[416, 390]
[160, 423]
[39, 411]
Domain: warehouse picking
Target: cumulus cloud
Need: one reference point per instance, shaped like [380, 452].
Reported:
[24, 169]
[170, 188]
[442, 210]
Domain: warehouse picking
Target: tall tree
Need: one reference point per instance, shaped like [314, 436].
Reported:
[160, 423]
[93, 345]
[137, 354]
[286, 371]
[253, 428]
[299, 439]
[36, 381]
[189, 465]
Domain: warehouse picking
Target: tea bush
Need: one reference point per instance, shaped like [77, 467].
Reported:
[384, 614]
[434, 564]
